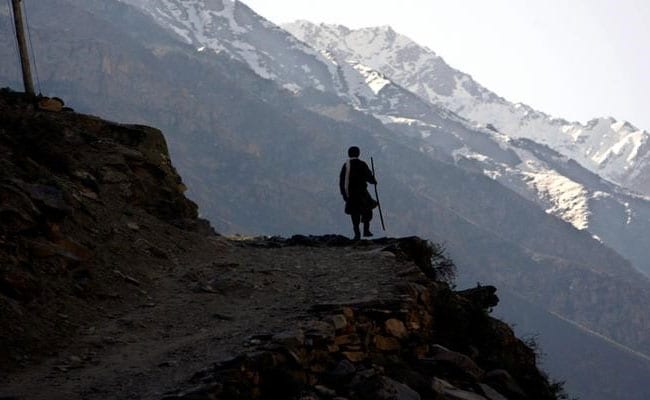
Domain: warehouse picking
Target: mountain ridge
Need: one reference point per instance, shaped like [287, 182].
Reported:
[621, 157]
[550, 181]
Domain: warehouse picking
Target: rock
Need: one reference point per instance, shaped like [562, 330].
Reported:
[48, 197]
[343, 340]
[355, 356]
[396, 328]
[87, 179]
[19, 284]
[290, 338]
[348, 312]
[110, 175]
[481, 296]
[490, 393]
[89, 194]
[310, 396]
[53, 104]
[440, 385]
[458, 394]
[74, 359]
[339, 321]
[17, 211]
[158, 253]
[318, 333]
[383, 343]
[441, 354]
[384, 388]
[502, 381]
[448, 391]
[64, 248]
[170, 363]
[324, 390]
[344, 369]
[127, 278]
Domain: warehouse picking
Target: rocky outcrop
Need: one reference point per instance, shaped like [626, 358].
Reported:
[77, 195]
[427, 342]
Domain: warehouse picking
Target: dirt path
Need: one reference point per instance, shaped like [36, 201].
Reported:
[204, 310]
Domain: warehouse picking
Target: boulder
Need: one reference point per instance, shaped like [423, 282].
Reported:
[442, 355]
[396, 328]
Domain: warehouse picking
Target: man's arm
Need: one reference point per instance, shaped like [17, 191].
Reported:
[370, 178]
[342, 183]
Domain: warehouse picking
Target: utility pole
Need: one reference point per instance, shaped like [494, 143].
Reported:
[22, 47]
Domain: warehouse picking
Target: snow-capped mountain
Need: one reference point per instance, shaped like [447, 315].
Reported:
[234, 138]
[616, 150]
[530, 167]
[562, 187]
[415, 93]
[233, 28]
[613, 215]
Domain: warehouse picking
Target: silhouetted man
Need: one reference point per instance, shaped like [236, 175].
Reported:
[353, 181]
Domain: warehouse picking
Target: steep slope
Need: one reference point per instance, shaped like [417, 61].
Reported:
[89, 208]
[616, 150]
[592, 358]
[254, 156]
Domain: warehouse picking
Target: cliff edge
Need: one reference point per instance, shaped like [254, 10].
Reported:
[112, 287]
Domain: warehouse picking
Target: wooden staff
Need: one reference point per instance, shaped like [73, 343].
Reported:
[381, 215]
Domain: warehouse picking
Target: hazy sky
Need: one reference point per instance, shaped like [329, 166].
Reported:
[575, 59]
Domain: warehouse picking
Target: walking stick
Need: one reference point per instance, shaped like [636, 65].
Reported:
[381, 215]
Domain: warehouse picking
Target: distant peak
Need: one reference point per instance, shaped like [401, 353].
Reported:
[622, 125]
[301, 22]
[385, 28]
[317, 27]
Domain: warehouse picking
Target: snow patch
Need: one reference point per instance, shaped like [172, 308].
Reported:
[292, 87]
[492, 174]
[375, 80]
[568, 199]
[465, 152]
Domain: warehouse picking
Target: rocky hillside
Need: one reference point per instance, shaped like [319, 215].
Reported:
[87, 206]
[111, 286]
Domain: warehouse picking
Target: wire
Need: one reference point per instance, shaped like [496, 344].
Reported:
[15, 41]
[31, 46]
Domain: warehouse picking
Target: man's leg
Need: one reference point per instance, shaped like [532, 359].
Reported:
[356, 219]
[366, 224]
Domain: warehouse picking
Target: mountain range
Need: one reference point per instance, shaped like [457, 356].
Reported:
[616, 150]
[560, 165]
[412, 90]
[258, 121]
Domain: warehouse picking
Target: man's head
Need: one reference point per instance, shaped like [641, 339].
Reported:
[353, 152]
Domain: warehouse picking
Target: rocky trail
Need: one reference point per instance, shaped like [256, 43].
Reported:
[206, 309]
[239, 296]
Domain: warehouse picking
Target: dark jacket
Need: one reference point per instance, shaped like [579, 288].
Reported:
[357, 198]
